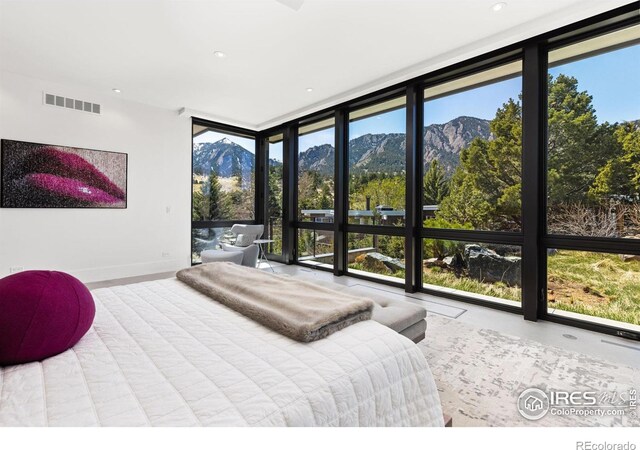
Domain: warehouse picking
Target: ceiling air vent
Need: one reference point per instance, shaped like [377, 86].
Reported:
[71, 103]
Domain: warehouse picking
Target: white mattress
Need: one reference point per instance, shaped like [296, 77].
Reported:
[162, 354]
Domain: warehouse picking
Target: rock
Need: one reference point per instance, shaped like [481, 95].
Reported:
[487, 266]
[455, 262]
[433, 262]
[629, 258]
[449, 261]
[373, 265]
[378, 262]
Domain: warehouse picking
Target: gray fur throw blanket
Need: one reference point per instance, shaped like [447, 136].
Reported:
[297, 309]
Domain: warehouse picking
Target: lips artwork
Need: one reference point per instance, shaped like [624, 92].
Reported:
[46, 176]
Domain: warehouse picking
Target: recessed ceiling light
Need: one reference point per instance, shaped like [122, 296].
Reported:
[219, 54]
[499, 6]
[309, 89]
[116, 90]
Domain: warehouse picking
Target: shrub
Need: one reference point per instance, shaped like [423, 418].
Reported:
[438, 248]
[579, 219]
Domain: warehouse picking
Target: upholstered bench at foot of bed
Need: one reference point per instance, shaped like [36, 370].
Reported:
[403, 317]
[221, 255]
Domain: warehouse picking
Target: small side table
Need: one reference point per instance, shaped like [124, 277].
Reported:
[263, 255]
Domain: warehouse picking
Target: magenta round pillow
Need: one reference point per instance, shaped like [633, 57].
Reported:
[42, 313]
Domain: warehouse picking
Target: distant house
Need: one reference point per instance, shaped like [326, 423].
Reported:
[429, 211]
[382, 215]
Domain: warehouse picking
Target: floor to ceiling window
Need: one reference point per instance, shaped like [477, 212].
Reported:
[275, 205]
[511, 180]
[315, 193]
[316, 166]
[472, 180]
[223, 185]
[376, 166]
[593, 178]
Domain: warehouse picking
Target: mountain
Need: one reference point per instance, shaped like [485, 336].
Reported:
[224, 157]
[320, 158]
[386, 152]
[370, 153]
[377, 153]
[444, 142]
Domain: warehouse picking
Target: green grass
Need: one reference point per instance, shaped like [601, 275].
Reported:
[595, 284]
[359, 266]
[444, 278]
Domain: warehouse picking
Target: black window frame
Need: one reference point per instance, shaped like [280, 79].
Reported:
[473, 236]
[259, 177]
[264, 163]
[532, 238]
[551, 241]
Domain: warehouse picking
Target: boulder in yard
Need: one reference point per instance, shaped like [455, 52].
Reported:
[487, 266]
[448, 260]
[378, 262]
[629, 258]
[433, 262]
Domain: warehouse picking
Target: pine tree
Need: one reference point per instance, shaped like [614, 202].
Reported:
[485, 188]
[275, 192]
[620, 176]
[436, 184]
[218, 207]
[577, 146]
[200, 206]
[326, 197]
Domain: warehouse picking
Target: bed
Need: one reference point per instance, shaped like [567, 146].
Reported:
[161, 354]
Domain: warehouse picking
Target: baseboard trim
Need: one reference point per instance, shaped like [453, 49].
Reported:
[105, 273]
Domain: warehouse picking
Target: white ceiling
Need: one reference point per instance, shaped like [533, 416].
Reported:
[161, 52]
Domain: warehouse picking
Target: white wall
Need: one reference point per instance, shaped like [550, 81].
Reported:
[101, 244]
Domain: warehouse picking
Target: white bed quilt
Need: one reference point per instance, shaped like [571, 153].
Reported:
[162, 354]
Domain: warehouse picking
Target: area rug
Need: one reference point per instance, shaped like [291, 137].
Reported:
[481, 373]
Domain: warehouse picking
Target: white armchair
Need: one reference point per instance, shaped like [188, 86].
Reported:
[245, 235]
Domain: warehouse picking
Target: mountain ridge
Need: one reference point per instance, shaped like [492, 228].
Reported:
[224, 157]
[385, 152]
[369, 153]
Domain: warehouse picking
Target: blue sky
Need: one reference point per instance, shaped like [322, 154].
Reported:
[482, 102]
[275, 151]
[613, 79]
[321, 137]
